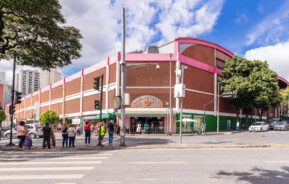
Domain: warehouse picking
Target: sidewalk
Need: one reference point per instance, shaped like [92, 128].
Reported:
[148, 141]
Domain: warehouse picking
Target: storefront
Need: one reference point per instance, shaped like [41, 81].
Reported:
[149, 113]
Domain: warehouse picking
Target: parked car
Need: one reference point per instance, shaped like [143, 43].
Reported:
[282, 125]
[34, 132]
[259, 127]
[272, 125]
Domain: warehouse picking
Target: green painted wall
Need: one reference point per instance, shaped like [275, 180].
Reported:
[211, 122]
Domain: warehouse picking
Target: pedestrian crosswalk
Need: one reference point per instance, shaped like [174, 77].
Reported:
[52, 167]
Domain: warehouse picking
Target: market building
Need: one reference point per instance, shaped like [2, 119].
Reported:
[151, 78]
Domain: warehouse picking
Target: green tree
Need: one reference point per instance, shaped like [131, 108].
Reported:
[267, 92]
[255, 83]
[50, 117]
[285, 101]
[236, 73]
[35, 30]
[2, 115]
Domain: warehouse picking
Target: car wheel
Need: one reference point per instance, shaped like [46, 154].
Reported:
[32, 135]
[7, 136]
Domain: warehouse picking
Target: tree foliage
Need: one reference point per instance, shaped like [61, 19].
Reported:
[50, 117]
[35, 30]
[2, 115]
[285, 101]
[255, 83]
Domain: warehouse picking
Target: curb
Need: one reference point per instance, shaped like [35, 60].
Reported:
[200, 146]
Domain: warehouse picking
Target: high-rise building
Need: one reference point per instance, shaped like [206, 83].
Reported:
[49, 77]
[27, 81]
[7, 95]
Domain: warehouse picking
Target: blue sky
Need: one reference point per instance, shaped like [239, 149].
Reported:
[255, 29]
[238, 18]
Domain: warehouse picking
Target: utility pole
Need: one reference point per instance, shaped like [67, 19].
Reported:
[11, 109]
[101, 91]
[123, 81]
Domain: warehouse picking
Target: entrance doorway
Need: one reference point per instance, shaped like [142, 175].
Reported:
[149, 125]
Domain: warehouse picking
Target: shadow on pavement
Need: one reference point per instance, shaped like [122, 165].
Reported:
[260, 176]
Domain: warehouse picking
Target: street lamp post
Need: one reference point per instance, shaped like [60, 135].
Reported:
[11, 109]
[123, 81]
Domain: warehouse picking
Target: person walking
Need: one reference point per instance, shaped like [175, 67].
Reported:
[101, 133]
[64, 135]
[87, 130]
[71, 135]
[53, 139]
[46, 136]
[138, 129]
[22, 131]
[110, 132]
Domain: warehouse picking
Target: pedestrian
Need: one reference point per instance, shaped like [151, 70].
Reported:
[22, 131]
[110, 132]
[46, 136]
[71, 135]
[146, 128]
[53, 139]
[87, 130]
[101, 133]
[138, 129]
[78, 130]
[0, 132]
[64, 135]
[238, 126]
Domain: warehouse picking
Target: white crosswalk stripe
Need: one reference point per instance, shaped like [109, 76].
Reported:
[65, 167]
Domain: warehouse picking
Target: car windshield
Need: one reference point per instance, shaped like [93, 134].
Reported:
[257, 124]
[281, 123]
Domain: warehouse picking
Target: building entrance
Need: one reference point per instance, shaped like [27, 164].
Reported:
[146, 125]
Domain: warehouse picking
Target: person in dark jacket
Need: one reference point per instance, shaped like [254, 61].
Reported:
[110, 132]
[64, 135]
[46, 136]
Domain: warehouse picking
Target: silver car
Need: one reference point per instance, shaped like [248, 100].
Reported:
[34, 132]
[283, 125]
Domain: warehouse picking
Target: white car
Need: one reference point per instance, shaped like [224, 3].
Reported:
[33, 132]
[259, 127]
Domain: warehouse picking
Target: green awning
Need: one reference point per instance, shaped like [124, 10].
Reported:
[96, 117]
[105, 116]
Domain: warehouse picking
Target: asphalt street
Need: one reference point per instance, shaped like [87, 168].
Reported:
[141, 166]
[256, 166]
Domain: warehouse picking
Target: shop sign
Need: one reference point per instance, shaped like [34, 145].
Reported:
[147, 101]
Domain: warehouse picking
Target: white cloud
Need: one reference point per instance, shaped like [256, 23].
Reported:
[277, 57]
[272, 29]
[148, 22]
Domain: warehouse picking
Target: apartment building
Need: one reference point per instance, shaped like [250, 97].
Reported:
[27, 81]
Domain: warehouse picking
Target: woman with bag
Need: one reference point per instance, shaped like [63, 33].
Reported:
[22, 131]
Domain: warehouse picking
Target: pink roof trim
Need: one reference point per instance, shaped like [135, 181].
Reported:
[73, 77]
[283, 80]
[143, 57]
[199, 64]
[35, 93]
[56, 84]
[47, 88]
[95, 67]
[204, 42]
